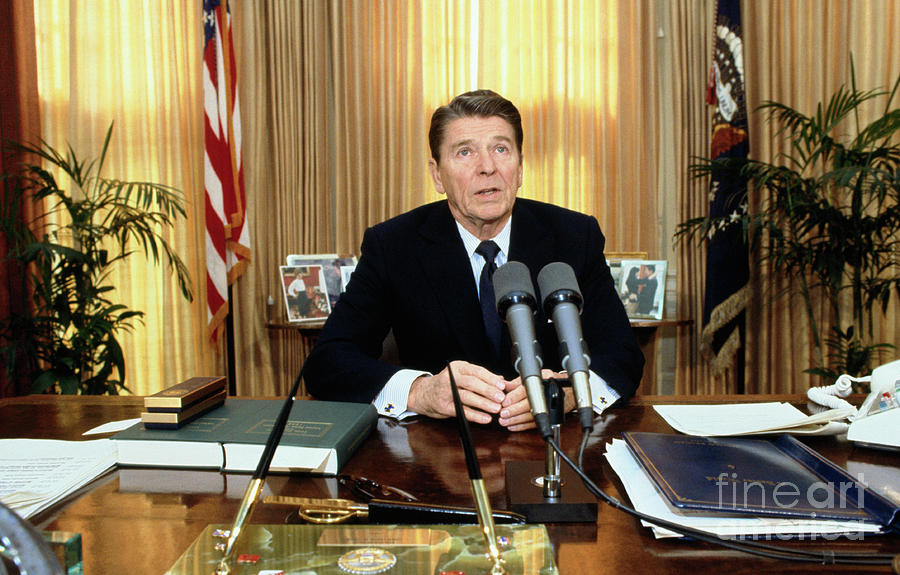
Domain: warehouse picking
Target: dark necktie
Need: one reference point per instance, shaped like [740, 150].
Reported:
[489, 250]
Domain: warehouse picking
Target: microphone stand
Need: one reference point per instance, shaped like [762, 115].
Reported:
[541, 490]
[552, 482]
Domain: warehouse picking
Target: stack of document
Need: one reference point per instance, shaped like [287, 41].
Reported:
[751, 419]
[648, 499]
[36, 473]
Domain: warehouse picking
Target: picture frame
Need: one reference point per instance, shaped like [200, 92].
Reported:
[614, 261]
[305, 293]
[641, 287]
[332, 265]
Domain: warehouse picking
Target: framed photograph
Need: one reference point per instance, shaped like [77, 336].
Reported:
[305, 259]
[305, 295]
[642, 285]
[331, 265]
[614, 261]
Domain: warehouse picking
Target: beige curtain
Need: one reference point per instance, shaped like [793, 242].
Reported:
[337, 98]
[583, 75]
[136, 64]
[687, 29]
[796, 52]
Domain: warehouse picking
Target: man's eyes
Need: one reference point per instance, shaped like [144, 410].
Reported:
[466, 152]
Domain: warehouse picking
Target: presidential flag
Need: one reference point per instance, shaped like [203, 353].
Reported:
[727, 265]
[227, 234]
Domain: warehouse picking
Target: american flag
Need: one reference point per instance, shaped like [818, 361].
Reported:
[227, 233]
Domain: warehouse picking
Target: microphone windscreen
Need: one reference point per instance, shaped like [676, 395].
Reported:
[557, 276]
[512, 277]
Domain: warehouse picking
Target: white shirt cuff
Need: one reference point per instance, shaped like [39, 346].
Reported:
[602, 395]
[392, 399]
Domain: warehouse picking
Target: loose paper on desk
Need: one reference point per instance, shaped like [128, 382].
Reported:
[751, 419]
[36, 473]
[646, 498]
[112, 426]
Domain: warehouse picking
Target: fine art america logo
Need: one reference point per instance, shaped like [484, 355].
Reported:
[786, 498]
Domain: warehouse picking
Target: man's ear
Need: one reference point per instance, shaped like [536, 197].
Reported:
[436, 175]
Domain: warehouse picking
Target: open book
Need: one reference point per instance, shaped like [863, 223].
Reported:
[36, 473]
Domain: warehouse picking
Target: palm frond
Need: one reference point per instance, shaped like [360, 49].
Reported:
[825, 212]
[68, 339]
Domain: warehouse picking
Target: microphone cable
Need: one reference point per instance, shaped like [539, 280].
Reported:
[825, 557]
[585, 435]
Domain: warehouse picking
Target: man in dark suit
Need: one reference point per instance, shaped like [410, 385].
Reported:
[418, 275]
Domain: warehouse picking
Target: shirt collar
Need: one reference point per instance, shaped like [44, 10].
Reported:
[471, 242]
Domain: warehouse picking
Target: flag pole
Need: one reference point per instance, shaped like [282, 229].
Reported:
[229, 346]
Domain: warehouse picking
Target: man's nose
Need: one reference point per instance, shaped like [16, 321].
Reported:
[486, 164]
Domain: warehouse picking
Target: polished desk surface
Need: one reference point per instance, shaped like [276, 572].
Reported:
[141, 520]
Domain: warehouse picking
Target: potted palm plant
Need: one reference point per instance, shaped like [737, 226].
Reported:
[827, 214]
[67, 341]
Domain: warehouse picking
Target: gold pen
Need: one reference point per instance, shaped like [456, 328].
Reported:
[254, 488]
[479, 492]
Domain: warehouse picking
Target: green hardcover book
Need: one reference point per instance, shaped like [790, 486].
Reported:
[319, 438]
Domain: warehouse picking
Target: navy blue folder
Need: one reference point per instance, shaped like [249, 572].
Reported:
[741, 475]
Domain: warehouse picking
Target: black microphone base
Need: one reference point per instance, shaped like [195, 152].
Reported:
[526, 496]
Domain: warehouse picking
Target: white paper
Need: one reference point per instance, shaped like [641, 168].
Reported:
[749, 418]
[647, 499]
[112, 426]
[35, 473]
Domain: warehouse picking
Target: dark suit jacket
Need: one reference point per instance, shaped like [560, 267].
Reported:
[414, 277]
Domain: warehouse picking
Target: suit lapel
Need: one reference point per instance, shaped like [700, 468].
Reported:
[446, 266]
[530, 242]
[534, 245]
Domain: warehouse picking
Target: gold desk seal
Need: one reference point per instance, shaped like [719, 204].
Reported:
[367, 560]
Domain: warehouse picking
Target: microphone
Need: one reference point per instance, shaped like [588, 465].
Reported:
[516, 304]
[563, 302]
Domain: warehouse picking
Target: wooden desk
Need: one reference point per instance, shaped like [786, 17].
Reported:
[140, 521]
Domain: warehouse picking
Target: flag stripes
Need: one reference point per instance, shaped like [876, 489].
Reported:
[227, 235]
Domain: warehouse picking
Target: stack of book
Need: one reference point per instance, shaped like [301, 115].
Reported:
[177, 405]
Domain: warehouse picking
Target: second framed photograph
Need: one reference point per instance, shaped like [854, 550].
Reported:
[642, 286]
[332, 266]
[305, 293]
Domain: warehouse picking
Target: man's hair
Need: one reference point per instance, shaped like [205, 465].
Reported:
[480, 103]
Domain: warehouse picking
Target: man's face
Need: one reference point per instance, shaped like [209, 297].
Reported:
[480, 172]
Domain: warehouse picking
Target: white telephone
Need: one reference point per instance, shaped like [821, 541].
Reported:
[877, 422]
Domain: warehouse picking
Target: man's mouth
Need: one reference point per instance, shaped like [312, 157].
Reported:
[487, 191]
